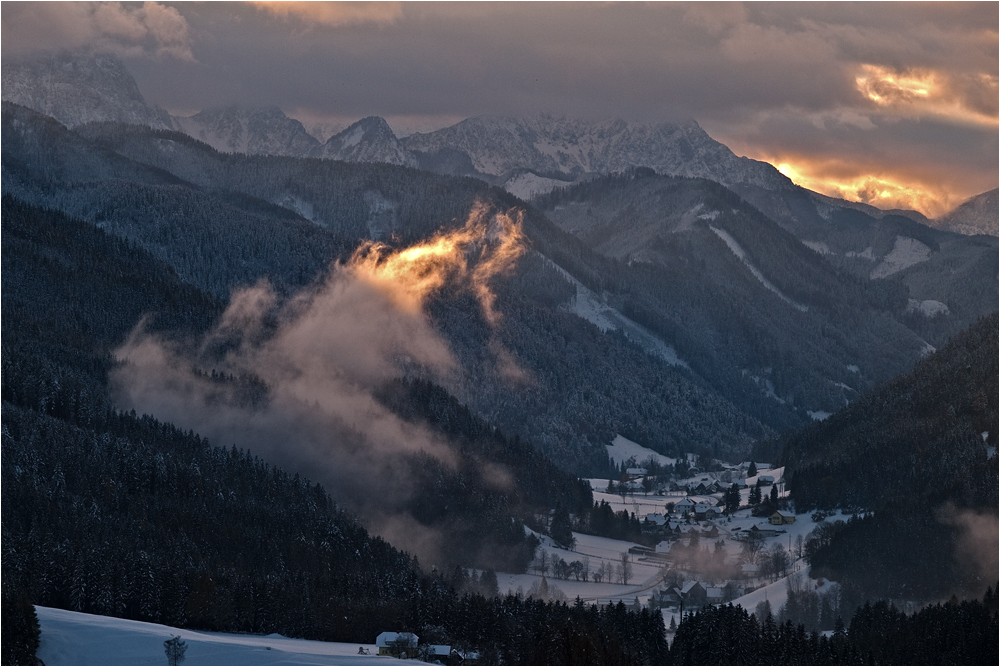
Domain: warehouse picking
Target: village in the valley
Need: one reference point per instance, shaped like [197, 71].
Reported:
[696, 547]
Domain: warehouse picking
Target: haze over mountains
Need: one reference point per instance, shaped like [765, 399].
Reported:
[781, 311]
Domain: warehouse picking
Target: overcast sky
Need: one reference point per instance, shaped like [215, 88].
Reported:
[890, 103]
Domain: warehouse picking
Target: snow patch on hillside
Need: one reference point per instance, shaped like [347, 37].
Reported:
[927, 307]
[818, 415]
[905, 253]
[527, 185]
[741, 254]
[300, 206]
[354, 137]
[73, 638]
[622, 449]
[764, 384]
[818, 246]
[777, 593]
[591, 307]
[232, 139]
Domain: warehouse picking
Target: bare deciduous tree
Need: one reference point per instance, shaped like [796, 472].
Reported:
[626, 568]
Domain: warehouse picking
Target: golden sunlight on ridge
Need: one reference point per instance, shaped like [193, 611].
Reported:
[880, 190]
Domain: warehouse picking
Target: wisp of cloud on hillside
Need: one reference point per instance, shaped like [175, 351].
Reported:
[294, 380]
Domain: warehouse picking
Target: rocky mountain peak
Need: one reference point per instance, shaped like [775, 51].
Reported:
[236, 129]
[564, 148]
[368, 140]
[76, 90]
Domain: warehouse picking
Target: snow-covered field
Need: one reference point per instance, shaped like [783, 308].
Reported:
[600, 551]
[72, 638]
[646, 576]
[622, 449]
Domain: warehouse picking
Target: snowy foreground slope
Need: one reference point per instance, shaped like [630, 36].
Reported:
[72, 638]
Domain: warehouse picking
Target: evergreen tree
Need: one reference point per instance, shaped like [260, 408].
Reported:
[175, 648]
[732, 499]
[561, 529]
[20, 623]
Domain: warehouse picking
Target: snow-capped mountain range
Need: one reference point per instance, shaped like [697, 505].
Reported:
[563, 148]
[528, 155]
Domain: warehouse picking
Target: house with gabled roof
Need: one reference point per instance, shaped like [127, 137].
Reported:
[779, 519]
[397, 644]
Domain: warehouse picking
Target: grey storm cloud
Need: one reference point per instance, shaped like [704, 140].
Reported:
[772, 80]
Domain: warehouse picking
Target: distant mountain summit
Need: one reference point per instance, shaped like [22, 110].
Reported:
[528, 155]
[235, 129]
[76, 90]
[566, 149]
[976, 215]
[368, 140]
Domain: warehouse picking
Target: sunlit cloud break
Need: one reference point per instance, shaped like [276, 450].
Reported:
[881, 190]
[926, 92]
[334, 13]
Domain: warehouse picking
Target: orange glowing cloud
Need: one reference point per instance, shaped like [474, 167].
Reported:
[487, 245]
[882, 190]
[334, 13]
[928, 92]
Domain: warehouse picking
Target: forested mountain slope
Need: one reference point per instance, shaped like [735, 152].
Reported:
[951, 277]
[73, 292]
[222, 223]
[722, 326]
[740, 298]
[116, 514]
[920, 453]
